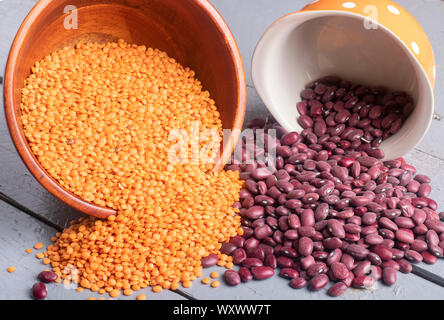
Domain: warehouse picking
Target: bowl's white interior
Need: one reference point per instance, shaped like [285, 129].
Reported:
[308, 45]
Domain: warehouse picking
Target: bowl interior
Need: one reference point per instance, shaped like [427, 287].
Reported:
[190, 31]
[308, 45]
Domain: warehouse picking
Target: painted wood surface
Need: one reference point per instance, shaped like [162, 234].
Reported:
[19, 231]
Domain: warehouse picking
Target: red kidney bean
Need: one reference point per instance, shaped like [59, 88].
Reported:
[432, 237]
[298, 283]
[255, 212]
[257, 253]
[239, 255]
[337, 289]
[348, 260]
[232, 278]
[428, 257]
[363, 268]
[210, 260]
[357, 251]
[332, 243]
[317, 268]
[336, 229]
[374, 239]
[262, 272]
[39, 291]
[422, 178]
[318, 282]
[383, 252]
[251, 243]
[405, 235]
[388, 224]
[251, 262]
[227, 248]
[398, 253]
[47, 276]
[435, 225]
[305, 247]
[284, 262]
[389, 276]
[263, 232]
[374, 258]
[413, 256]
[339, 270]
[419, 245]
[436, 250]
[288, 273]
[270, 261]
[363, 282]
[405, 266]
[245, 274]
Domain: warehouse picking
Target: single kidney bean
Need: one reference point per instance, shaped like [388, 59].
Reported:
[363, 282]
[383, 252]
[305, 247]
[363, 268]
[251, 262]
[389, 276]
[47, 276]
[317, 268]
[270, 261]
[288, 273]
[210, 260]
[239, 255]
[284, 262]
[374, 258]
[251, 243]
[413, 256]
[339, 270]
[337, 289]
[405, 266]
[405, 235]
[419, 245]
[357, 251]
[428, 257]
[262, 272]
[257, 253]
[307, 262]
[227, 248]
[245, 274]
[39, 291]
[318, 282]
[232, 278]
[298, 283]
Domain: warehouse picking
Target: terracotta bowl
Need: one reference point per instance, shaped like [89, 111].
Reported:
[191, 31]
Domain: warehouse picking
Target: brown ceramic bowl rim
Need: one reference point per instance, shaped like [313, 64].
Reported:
[21, 143]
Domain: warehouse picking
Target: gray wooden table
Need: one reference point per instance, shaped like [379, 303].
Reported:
[29, 214]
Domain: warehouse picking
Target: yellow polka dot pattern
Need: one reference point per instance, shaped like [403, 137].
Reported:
[395, 18]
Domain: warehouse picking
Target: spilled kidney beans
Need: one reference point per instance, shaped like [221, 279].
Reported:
[321, 205]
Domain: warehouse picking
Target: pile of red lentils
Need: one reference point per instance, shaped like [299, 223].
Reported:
[98, 117]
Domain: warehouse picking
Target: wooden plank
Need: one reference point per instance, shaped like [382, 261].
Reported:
[18, 231]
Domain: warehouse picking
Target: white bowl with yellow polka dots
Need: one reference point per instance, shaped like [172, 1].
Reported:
[371, 42]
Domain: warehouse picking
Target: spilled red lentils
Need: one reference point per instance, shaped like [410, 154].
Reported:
[98, 118]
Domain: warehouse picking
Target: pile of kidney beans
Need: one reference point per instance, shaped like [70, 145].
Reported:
[329, 209]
